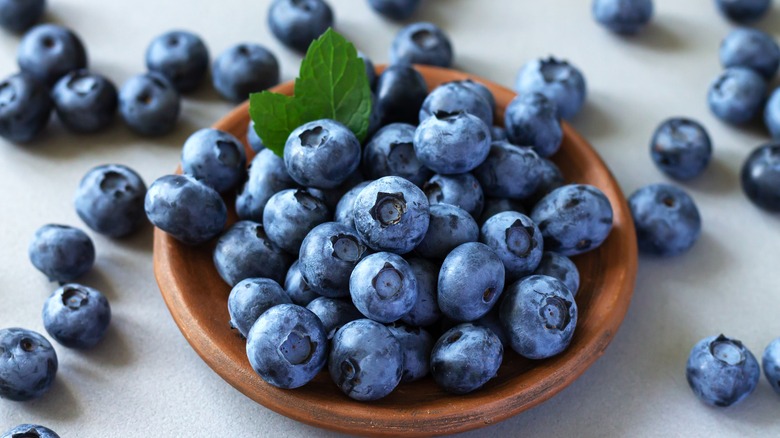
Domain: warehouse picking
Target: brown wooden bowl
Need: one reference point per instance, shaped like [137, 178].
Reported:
[197, 298]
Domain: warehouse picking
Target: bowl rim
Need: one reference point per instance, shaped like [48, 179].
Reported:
[378, 419]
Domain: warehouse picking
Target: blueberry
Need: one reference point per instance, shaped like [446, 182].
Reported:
[61, 252]
[245, 251]
[366, 360]
[383, 287]
[253, 139]
[190, 211]
[492, 321]
[28, 364]
[25, 107]
[450, 226]
[421, 43]
[454, 97]
[623, 16]
[539, 315]
[334, 313]
[296, 23]
[328, 255]
[482, 90]
[243, 69]
[215, 158]
[400, 92]
[76, 316]
[370, 70]
[721, 371]
[395, 9]
[149, 104]
[558, 80]
[296, 287]
[531, 120]
[736, 95]
[345, 209]
[321, 154]
[681, 148]
[743, 11]
[751, 48]
[771, 364]
[465, 358]
[49, 51]
[391, 214]
[85, 101]
[560, 267]
[761, 177]
[772, 114]
[516, 240]
[470, 281]
[250, 298]
[289, 216]
[450, 143]
[180, 56]
[497, 133]
[494, 206]
[19, 15]
[266, 176]
[666, 219]
[461, 190]
[549, 179]
[334, 195]
[391, 153]
[416, 344]
[287, 346]
[426, 309]
[509, 171]
[573, 219]
[29, 430]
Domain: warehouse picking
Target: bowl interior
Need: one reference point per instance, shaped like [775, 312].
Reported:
[197, 299]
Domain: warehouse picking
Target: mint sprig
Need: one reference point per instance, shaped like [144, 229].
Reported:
[331, 84]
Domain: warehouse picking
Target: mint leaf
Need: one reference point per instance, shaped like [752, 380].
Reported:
[333, 84]
[275, 116]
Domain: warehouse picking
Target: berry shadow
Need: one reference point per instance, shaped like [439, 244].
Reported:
[717, 178]
[96, 279]
[114, 350]
[661, 35]
[594, 122]
[57, 405]
[770, 23]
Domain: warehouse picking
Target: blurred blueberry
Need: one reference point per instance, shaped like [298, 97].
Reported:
[465, 358]
[497, 133]
[180, 56]
[623, 16]
[421, 43]
[321, 153]
[28, 364]
[383, 287]
[470, 281]
[215, 158]
[558, 80]
[721, 371]
[289, 216]
[254, 140]
[516, 240]
[19, 15]
[772, 114]
[110, 200]
[760, 177]
[370, 70]
[77, 316]
[61, 252]
[49, 51]
[250, 298]
[334, 313]
[454, 97]
[85, 101]
[29, 430]
[149, 104]
[400, 92]
[245, 251]
[751, 48]
[25, 107]
[560, 267]
[681, 148]
[452, 143]
[450, 226]
[266, 176]
[243, 69]
[296, 23]
[771, 364]
[743, 11]
[737, 95]
[666, 219]
[426, 309]
[509, 171]
[391, 153]
[482, 90]
[395, 9]
[531, 120]
[328, 255]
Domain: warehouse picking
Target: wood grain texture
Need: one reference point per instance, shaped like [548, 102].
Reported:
[197, 299]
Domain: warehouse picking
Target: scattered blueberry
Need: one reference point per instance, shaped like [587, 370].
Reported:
[61, 252]
[454, 97]
[243, 69]
[450, 143]
[426, 309]
[531, 120]
[180, 56]
[743, 11]
[666, 219]
[149, 104]
[296, 287]
[772, 114]
[334, 313]
[421, 43]
[254, 140]
[416, 344]
[462, 190]
[623, 16]
[681, 148]
[573, 219]
[391, 214]
[470, 281]
[250, 298]
[215, 158]
[391, 153]
[28, 364]
[289, 216]
[49, 51]
[85, 101]
[516, 240]
[321, 154]
[25, 107]
[19, 15]
[539, 315]
[76, 316]
[736, 96]
[771, 364]
[366, 360]
[721, 371]
[29, 431]
[450, 226]
[465, 358]
[761, 177]
[245, 251]
[751, 48]
[558, 80]
[395, 9]
[266, 176]
[296, 23]
[400, 92]
[509, 171]
[328, 255]
[383, 287]
[287, 346]
[560, 267]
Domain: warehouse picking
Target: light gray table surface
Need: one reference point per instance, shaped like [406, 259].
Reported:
[145, 380]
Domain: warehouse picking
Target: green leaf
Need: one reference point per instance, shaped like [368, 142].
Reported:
[333, 84]
[275, 116]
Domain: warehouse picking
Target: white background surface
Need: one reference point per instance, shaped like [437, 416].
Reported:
[145, 380]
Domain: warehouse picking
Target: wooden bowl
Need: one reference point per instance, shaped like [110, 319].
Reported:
[197, 298]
